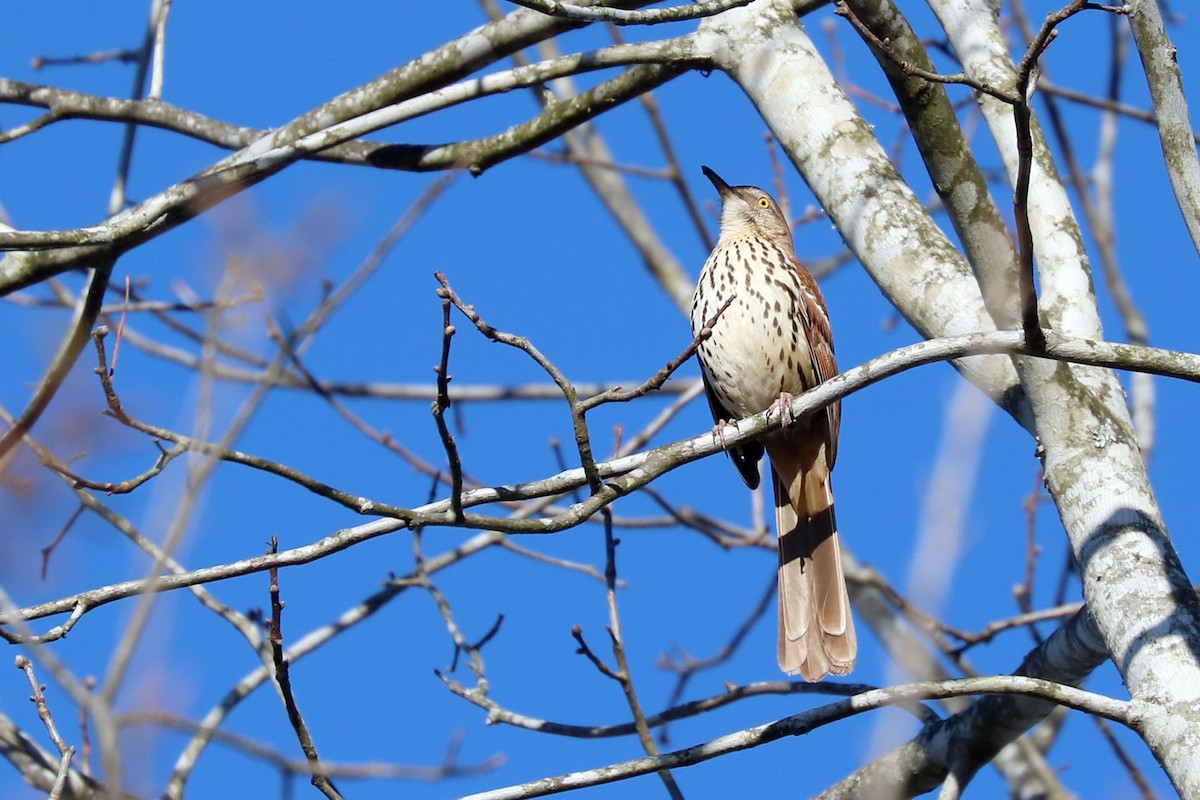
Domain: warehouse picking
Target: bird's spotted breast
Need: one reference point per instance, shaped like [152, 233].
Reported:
[755, 350]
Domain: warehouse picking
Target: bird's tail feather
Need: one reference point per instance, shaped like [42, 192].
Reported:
[816, 628]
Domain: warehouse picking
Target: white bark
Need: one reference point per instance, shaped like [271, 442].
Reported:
[1134, 584]
[965, 741]
[1170, 107]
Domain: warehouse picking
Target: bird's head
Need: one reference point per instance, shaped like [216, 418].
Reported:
[748, 210]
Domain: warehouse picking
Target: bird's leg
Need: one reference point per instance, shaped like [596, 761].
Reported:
[783, 407]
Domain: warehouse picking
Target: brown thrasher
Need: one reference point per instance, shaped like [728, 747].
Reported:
[773, 341]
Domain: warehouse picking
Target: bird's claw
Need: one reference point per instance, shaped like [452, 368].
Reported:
[783, 407]
[718, 431]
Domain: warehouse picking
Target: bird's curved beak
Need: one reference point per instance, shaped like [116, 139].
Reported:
[723, 188]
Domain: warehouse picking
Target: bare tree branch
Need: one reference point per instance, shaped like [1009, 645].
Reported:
[625, 474]
[805, 722]
[620, 16]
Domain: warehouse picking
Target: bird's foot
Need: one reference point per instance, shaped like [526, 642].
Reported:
[783, 407]
[719, 429]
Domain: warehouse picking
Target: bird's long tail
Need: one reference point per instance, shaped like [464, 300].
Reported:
[816, 629]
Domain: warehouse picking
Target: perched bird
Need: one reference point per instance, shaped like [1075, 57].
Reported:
[771, 342]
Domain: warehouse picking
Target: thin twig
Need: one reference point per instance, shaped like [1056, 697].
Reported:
[86, 310]
[442, 404]
[48, 550]
[618, 395]
[1019, 100]
[687, 667]
[64, 772]
[1025, 82]
[120, 329]
[990, 631]
[577, 408]
[43, 708]
[731, 694]
[306, 645]
[624, 675]
[99, 57]
[1135, 772]
[1024, 591]
[587, 652]
[129, 484]
[561, 563]
[283, 679]
[215, 450]
[449, 768]
[912, 70]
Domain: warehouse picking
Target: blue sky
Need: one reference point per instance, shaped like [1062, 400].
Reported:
[530, 245]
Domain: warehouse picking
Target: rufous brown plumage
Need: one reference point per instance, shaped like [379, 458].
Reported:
[774, 341]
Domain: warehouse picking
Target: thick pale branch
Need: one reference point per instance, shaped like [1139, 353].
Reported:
[803, 723]
[267, 155]
[1133, 580]
[499, 714]
[947, 154]
[918, 766]
[65, 104]
[1170, 105]
[555, 119]
[629, 473]
[303, 136]
[620, 16]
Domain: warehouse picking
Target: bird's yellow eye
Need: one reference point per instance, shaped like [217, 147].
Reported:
[764, 202]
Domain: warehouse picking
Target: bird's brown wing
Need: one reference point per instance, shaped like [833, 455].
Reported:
[820, 342]
[745, 455]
